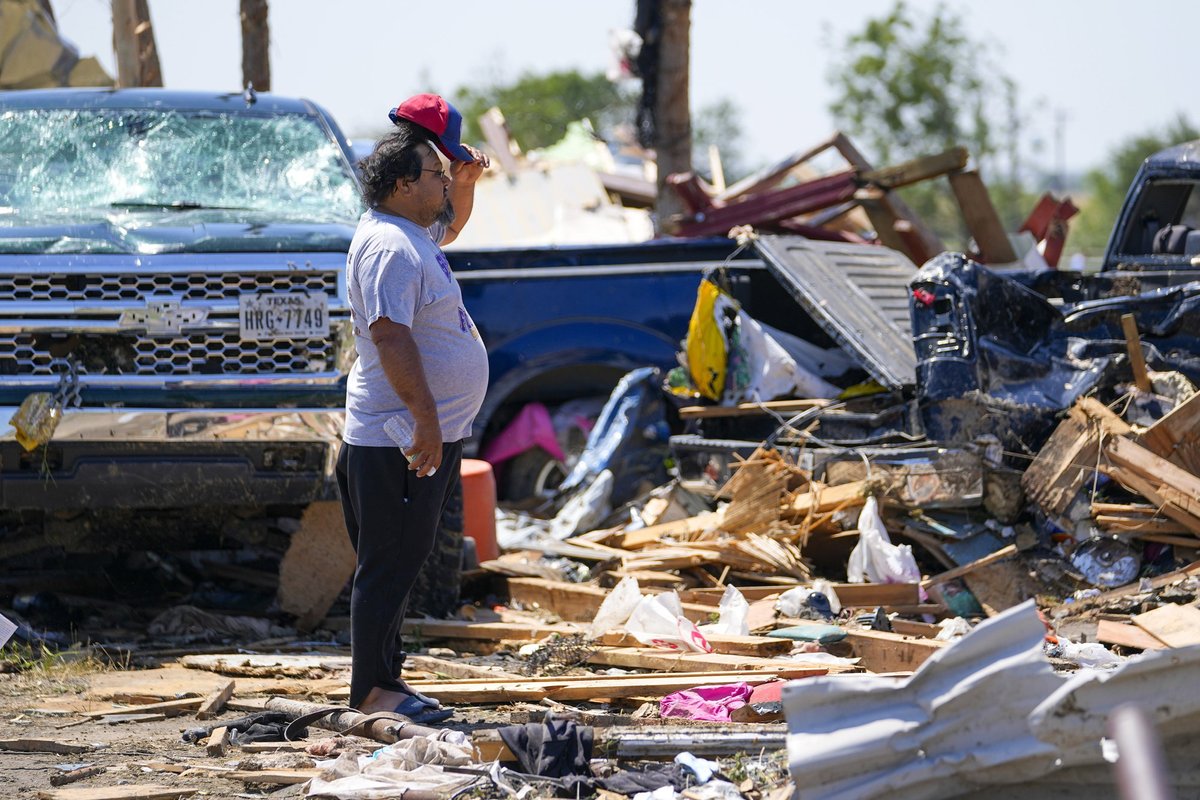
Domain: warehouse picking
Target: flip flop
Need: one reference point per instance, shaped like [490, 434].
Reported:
[432, 702]
[420, 713]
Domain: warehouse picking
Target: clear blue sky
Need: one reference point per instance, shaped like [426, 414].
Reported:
[1109, 68]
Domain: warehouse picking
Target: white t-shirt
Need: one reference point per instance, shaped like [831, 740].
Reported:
[395, 269]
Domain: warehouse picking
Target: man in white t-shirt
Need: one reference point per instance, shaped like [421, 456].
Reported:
[421, 362]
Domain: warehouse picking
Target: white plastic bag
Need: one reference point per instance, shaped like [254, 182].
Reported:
[585, 510]
[658, 621]
[875, 558]
[616, 608]
[735, 612]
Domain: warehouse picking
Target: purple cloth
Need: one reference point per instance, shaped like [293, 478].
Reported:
[709, 703]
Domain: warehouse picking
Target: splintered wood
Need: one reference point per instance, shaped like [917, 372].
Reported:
[1159, 464]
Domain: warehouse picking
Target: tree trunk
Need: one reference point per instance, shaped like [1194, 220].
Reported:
[673, 144]
[256, 43]
[133, 42]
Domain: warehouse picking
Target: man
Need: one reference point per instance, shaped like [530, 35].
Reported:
[419, 358]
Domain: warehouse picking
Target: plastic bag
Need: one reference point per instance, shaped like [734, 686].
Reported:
[735, 612]
[875, 558]
[658, 621]
[585, 510]
[705, 344]
[616, 608]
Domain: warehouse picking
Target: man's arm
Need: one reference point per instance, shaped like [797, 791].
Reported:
[463, 176]
[401, 364]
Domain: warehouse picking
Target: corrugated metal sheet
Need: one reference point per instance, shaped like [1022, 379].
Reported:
[985, 717]
[857, 293]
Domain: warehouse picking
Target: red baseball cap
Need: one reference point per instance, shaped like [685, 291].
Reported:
[433, 112]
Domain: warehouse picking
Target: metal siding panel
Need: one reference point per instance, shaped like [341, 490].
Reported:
[856, 293]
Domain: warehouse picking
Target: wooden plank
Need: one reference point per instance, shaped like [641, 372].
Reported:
[998, 586]
[170, 708]
[750, 409]
[1070, 456]
[1119, 633]
[214, 704]
[145, 791]
[881, 651]
[457, 669]
[576, 602]
[274, 777]
[981, 218]
[761, 646]
[1176, 437]
[1137, 359]
[907, 627]
[680, 528]
[896, 224]
[918, 169]
[607, 686]
[1175, 490]
[43, 746]
[218, 742]
[958, 572]
[821, 499]
[677, 661]
[869, 595]
[318, 562]
[487, 631]
[1174, 625]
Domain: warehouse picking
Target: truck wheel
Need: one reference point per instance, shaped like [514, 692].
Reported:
[437, 586]
[532, 475]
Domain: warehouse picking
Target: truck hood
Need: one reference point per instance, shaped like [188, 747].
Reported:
[172, 231]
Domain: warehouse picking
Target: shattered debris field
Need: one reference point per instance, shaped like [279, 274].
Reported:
[772, 636]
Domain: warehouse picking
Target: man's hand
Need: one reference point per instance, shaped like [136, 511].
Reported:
[469, 171]
[426, 451]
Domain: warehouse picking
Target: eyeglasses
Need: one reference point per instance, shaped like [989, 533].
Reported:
[441, 173]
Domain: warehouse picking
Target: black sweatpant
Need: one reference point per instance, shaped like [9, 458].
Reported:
[393, 519]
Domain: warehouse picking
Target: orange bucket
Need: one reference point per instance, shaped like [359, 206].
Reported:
[479, 507]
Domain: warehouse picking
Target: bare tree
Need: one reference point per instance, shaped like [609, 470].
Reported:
[133, 41]
[256, 41]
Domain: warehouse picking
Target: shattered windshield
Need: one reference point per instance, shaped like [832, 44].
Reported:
[83, 167]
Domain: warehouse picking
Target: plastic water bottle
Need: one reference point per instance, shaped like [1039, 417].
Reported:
[401, 433]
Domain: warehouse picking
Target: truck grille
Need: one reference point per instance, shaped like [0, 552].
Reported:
[132, 286]
[180, 355]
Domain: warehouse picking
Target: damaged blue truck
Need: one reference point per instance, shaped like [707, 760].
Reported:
[148, 240]
[151, 392]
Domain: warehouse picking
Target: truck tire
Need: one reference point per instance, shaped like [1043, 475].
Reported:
[532, 475]
[437, 586]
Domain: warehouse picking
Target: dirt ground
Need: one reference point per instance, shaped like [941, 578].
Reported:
[46, 706]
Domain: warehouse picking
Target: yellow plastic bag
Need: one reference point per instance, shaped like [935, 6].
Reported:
[35, 420]
[706, 350]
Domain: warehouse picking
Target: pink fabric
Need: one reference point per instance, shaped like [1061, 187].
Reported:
[709, 703]
[532, 427]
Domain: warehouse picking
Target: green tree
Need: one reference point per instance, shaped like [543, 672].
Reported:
[1106, 186]
[910, 85]
[538, 107]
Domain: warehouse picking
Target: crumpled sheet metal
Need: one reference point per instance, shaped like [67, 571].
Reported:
[987, 711]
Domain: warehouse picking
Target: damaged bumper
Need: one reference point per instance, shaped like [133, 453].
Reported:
[172, 458]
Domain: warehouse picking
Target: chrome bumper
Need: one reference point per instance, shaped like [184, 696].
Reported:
[171, 458]
[149, 425]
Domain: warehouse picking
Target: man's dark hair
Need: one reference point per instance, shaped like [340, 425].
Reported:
[396, 156]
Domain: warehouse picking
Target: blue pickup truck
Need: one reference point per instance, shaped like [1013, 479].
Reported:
[173, 324]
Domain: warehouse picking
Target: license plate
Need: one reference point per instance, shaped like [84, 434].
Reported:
[283, 316]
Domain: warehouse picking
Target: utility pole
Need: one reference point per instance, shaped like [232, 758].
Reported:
[256, 44]
[133, 42]
[665, 117]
